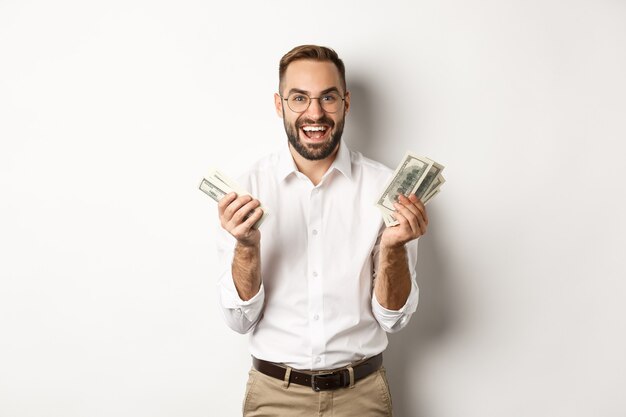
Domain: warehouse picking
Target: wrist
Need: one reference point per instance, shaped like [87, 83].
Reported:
[249, 246]
[391, 246]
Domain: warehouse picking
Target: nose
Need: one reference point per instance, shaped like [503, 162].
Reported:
[315, 108]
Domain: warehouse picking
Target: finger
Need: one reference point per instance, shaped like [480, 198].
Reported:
[417, 223]
[256, 215]
[398, 216]
[246, 210]
[420, 206]
[422, 221]
[409, 203]
[422, 224]
[408, 216]
[225, 201]
[235, 206]
[245, 228]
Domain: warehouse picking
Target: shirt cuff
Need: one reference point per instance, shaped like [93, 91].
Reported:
[249, 309]
[394, 320]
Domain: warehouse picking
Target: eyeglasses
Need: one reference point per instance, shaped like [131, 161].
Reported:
[299, 102]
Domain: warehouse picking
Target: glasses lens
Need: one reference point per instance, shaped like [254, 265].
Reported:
[330, 102]
[298, 102]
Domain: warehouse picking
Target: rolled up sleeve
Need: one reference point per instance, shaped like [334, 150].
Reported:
[239, 315]
[392, 321]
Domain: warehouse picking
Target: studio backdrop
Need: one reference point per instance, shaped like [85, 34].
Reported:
[111, 113]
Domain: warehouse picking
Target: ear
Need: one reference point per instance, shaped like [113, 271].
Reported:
[278, 104]
[347, 102]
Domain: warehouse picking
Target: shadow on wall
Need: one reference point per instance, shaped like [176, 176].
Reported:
[409, 348]
[362, 131]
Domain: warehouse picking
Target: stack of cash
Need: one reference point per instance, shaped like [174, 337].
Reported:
[216, 185]
[415, 175]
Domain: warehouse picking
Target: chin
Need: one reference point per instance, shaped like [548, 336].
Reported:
[316, 151]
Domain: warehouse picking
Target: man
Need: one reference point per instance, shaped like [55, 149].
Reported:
[322, 281]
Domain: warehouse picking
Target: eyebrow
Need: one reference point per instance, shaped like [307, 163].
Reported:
[326, 91]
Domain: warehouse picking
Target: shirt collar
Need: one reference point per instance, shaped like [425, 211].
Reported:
[342, 162]
[286, 164]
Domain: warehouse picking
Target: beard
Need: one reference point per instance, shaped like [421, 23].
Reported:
[317, 151]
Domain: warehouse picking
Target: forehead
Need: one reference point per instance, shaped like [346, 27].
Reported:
[311, 76]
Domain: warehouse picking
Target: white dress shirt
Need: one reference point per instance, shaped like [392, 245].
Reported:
[319, 256]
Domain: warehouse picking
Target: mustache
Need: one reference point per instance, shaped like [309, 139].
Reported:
[324, 120]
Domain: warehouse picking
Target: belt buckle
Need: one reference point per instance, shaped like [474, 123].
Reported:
[326, 382]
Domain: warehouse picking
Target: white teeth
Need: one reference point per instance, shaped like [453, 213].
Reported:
[314, 128]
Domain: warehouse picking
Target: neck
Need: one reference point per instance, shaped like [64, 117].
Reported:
[314, 170]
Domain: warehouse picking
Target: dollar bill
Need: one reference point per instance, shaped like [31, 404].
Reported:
[405, 180]
[430, 196]
[216, 185]
[428, 183]
[414, 175]
[436, 184]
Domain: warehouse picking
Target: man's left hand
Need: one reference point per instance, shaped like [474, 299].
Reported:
[411, 214]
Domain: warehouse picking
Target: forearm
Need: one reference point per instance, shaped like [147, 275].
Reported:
[393, 281]
[246, 270]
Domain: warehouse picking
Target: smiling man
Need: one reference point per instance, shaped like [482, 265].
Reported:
[323, 281]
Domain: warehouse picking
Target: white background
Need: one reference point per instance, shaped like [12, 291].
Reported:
[111, 112]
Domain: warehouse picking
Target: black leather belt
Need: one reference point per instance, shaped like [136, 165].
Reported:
[323, 381]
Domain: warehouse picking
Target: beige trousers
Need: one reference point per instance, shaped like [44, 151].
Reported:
[270, 397]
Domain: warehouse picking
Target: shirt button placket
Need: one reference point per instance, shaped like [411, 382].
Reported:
[316, 287]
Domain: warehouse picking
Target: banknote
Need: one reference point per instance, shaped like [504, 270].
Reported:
[405, 180]
[430, 196]
[389, 218]
[427, 183]
[216, 185]
[435, 185]
[417, 175]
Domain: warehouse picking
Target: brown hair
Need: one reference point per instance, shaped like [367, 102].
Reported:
[313, 52]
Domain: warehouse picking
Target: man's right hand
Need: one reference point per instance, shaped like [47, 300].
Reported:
[233, 212]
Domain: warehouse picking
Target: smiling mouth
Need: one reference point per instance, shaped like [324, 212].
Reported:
[315, 132]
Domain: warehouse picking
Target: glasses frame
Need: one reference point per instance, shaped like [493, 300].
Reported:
[343, 99]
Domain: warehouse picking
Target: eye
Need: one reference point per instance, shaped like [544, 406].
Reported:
[330, 98]
[299, 98]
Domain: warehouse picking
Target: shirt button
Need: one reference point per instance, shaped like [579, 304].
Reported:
[318, 359]
[238, 311]
[314, 232]
[314, 273]
[316, 317]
